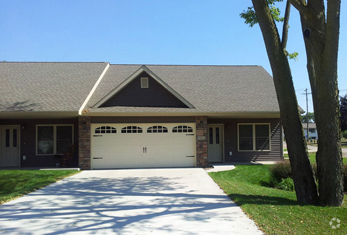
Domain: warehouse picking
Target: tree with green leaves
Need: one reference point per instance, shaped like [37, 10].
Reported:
[343, 112]
[320, 30]
[310, 118]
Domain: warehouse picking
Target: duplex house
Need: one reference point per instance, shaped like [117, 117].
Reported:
[136, 116]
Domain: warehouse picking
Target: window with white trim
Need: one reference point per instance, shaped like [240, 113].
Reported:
[105, 130]
[157, 129]
[131, 129]
[53, 139]
[253, 137]
[182, 129]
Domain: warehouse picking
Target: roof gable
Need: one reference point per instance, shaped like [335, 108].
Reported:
[129, 93]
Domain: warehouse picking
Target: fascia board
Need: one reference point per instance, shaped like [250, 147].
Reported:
[143, 68]
[93, 89]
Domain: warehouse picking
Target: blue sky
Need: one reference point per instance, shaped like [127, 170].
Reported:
[194, 32]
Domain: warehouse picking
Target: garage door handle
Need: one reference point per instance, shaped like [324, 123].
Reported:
[97, 135]
[144, 149]
[190, 156]
[97, 157]
[189, 134]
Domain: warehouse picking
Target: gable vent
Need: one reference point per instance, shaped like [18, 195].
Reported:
[144, 82]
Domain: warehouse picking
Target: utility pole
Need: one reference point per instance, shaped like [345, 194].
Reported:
[307, 130]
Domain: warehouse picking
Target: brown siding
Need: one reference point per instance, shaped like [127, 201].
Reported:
[154, 96]
[230, 141]
[28, 141]
[142, 119]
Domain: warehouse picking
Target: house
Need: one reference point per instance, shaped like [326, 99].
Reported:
[135, 116]
[312, 130]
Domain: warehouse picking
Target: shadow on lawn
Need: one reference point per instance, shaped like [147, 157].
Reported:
[242, 199]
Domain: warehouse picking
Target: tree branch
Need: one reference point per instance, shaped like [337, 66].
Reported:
[286, 26]
[300, 5]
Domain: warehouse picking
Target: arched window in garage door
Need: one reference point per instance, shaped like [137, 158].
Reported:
[157, 129]
[131, 129]
[105, 130]
[182, 129]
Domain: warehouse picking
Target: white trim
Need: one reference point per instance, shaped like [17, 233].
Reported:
[54, 137]
[253, 136]
[93, 89]
[132, 77]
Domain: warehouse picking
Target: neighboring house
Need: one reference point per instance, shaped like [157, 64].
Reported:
[134, 116]
[312, 130]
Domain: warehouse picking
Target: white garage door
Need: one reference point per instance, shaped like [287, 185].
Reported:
[143, 145]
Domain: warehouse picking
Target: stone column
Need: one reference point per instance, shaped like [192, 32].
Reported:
[201, 141]
[84, 160]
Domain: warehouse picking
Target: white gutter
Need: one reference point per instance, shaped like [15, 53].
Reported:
[93, 89]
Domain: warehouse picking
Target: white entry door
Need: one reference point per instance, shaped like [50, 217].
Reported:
[215, 143]
[10, 147]
[133, 145]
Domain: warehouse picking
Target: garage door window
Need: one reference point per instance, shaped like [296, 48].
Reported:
[157, 129]
[132, 129]
[105, 130]
[182, 129]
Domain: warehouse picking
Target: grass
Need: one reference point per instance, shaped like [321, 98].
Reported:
[343, 143]
[16, 183]
[276, 211]
[313, 158]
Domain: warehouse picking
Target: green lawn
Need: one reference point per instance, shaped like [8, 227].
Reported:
[276, 211]
[343, 143]
[16, 183]
[313, 158]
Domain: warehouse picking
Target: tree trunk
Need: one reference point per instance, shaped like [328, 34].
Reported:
[305, 185]
[321, 48]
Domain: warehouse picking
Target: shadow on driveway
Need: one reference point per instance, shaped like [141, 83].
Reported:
[120, 202]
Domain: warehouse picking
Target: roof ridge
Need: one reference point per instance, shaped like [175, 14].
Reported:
[52, 62]
[94, 62]
[197, 65]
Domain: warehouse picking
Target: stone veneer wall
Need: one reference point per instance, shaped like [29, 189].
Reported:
[84, 159]
[201, 141]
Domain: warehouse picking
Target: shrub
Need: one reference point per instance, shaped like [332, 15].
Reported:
[280, 171]
[344, 134]
[286, 184]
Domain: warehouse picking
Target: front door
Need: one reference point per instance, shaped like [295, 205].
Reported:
[215, 143]
[9, 145]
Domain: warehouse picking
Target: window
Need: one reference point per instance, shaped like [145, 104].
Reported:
[105, 130]
[253, 137]
[53, 139]
[182, 129]
[131, 129]
[312, 130]
[157, 129]
[144, 82]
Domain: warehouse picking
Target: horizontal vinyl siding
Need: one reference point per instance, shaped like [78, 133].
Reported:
[28, 141]
[132, 95]
[141, 119]
[231, 142]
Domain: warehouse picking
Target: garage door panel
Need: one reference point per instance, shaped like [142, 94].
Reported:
[138, 150]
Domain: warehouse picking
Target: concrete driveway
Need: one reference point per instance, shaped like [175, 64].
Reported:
[147, 201]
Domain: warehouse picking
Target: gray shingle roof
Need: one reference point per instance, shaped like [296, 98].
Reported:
[207, 88]
[42, 86]
[46, 86]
